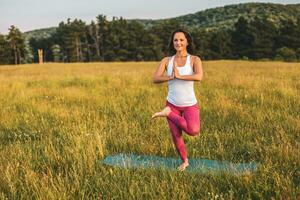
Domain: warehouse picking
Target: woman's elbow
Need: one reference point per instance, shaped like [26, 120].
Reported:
[199, 78]
[154, 79]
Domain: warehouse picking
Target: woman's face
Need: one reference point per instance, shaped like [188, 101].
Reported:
[179, 41]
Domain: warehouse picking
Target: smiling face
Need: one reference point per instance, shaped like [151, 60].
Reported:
[180, 42]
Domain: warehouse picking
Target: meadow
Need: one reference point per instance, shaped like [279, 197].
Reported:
[58, 121]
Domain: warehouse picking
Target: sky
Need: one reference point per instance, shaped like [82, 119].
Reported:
[35, 14]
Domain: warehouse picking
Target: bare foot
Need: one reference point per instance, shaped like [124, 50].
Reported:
[183, 165]
[164, 113]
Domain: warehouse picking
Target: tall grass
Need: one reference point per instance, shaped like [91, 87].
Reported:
[58, 121]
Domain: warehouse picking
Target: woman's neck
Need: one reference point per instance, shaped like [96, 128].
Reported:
[181, 54]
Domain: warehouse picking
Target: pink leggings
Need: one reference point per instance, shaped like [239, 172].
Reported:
[183, 118]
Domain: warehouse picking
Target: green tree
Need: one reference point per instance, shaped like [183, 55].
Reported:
[298, 54]
[289, 35]
[93, 42]
[202, 41]
[264, 34]
[164, 30]
[17, 44]
[56, 53]
[102, 34]
[5, 51]
[78, 32]
[71, 37]
[285, 54]
[221, 45]
[242, 37]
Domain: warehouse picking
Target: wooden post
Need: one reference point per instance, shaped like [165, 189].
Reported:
[40, 52]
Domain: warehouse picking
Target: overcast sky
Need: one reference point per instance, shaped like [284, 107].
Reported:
[34, 14]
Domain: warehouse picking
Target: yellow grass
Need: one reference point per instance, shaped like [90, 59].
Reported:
[58, 121]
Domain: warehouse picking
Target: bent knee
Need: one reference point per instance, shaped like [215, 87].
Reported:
[193, 131]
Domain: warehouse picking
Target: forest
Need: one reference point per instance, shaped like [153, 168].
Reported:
[252, 31]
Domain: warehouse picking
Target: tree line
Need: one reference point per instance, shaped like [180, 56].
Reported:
[130, 40]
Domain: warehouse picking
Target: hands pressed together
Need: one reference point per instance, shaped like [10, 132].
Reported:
[175, 72]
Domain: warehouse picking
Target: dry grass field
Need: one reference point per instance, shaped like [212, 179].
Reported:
[58, 121]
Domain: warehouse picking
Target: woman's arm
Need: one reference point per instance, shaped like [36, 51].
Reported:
[159, 76]
[198, 72]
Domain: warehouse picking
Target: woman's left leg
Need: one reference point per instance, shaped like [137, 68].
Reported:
[178, 140]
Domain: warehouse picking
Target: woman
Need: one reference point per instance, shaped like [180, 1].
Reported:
[181, 111]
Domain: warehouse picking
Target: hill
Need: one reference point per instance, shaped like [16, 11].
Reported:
[226, 16]
[215, 18]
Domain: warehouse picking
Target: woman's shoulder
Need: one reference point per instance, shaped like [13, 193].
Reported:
[195, 58]
[166, 59]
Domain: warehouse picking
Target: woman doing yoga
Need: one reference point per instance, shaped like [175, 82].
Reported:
[180, 70]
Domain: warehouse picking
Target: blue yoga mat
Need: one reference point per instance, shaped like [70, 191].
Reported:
[195, 165]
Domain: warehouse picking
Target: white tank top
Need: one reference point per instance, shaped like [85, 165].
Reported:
[181, 92]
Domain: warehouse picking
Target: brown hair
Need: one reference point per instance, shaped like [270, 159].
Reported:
[189, 48]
